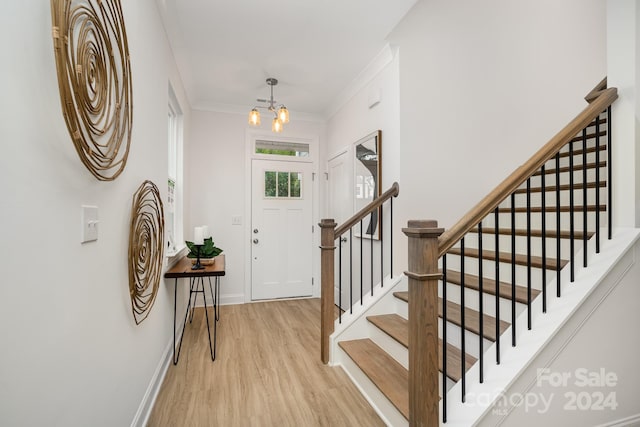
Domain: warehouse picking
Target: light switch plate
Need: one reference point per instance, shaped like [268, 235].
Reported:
[89, 224]
[236, 220]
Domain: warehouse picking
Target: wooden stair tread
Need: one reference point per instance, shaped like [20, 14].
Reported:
[383, 370]
[538, 209]
[602, 120]
[471, 319]
[563, 169]
[563, 187]
[589, 136]
[603, 147]
[550, 234]
[505, 257]
[400, 326]
[489, 286]
[393, 325]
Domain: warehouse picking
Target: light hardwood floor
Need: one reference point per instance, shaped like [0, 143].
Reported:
[267, 373]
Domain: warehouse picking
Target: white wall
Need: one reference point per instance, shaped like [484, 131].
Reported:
[218, 176]
[71, 352]
[623, 71]
[354, 120]
[483, 85]
[553, 388]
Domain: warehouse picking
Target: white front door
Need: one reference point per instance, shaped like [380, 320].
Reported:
[341, 209]
[281, 229]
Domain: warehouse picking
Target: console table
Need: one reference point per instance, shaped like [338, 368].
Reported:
[182, 269]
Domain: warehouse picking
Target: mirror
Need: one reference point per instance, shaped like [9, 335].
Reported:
[367, 178]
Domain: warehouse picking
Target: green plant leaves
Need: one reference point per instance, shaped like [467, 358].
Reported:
[208, 250]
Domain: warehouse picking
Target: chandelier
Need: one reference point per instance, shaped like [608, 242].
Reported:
[280, 112]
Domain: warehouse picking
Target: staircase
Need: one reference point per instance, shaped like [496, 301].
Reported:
[498, 267]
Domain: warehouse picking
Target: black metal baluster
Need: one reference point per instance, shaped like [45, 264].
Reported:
[462, 330]
[351, 270]
[558, 231]
[529, 254]
[339, 279]
[571, 212]
[609, 175]
[513, 269]
[361, 264]
[480, 302]
[391, 238]
[371, 242]
[598, 184]
[444, 338]
[497, 280]
[584, 197]
[381, 230]
[544, 238]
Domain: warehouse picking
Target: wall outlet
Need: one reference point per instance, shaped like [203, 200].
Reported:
[236, 220]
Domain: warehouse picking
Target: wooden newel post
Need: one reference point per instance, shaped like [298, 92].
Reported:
[423, 322]
[327, 272]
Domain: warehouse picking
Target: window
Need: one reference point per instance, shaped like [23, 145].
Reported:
[173, 208]
[281, 148]
[285, 185]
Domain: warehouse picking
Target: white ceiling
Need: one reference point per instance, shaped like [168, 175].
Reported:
[225, 50]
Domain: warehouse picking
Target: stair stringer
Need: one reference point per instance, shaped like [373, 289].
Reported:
[518, 362]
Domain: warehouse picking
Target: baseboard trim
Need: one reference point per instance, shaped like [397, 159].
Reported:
[633, 420]
[141, 418]
[229, 299]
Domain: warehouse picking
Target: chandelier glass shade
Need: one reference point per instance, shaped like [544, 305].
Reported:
[280, 112]
[254, 117]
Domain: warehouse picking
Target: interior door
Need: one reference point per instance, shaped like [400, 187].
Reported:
[341, 209]
[281, 229]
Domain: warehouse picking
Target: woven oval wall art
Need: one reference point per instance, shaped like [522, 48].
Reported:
[146, 249]
[94, 77]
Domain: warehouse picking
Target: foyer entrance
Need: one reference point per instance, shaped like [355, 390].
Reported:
[281, 229]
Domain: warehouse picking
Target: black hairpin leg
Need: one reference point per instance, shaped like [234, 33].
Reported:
[214, 296]
[176, 356]
[193, 291]
[206, 314]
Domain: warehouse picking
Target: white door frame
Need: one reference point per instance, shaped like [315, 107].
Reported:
[251, 136]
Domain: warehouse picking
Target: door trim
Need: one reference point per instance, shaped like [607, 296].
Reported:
[251, 136]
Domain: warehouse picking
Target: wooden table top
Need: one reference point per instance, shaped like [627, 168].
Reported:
[183, 269]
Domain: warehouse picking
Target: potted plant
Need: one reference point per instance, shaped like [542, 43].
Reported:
[208, 251]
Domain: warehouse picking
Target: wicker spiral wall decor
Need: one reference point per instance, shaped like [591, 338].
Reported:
[94, 77]
[146, 249]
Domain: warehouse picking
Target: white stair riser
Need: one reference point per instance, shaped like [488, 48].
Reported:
[454, 337]
[471, 301]
[504, 241]
[471, 267]
[504, 220]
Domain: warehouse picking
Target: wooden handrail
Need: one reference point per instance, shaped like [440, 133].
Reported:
[524, 172]
[376, 203]
[596, 91]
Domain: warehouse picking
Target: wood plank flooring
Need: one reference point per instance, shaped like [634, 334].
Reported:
[267, 373]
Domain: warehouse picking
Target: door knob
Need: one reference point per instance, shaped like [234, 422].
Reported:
[255, 231]
[255, 240]
[343, 239]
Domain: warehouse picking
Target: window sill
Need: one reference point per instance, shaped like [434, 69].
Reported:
[174, 256]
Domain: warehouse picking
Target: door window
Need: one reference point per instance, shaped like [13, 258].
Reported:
[282, 185]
